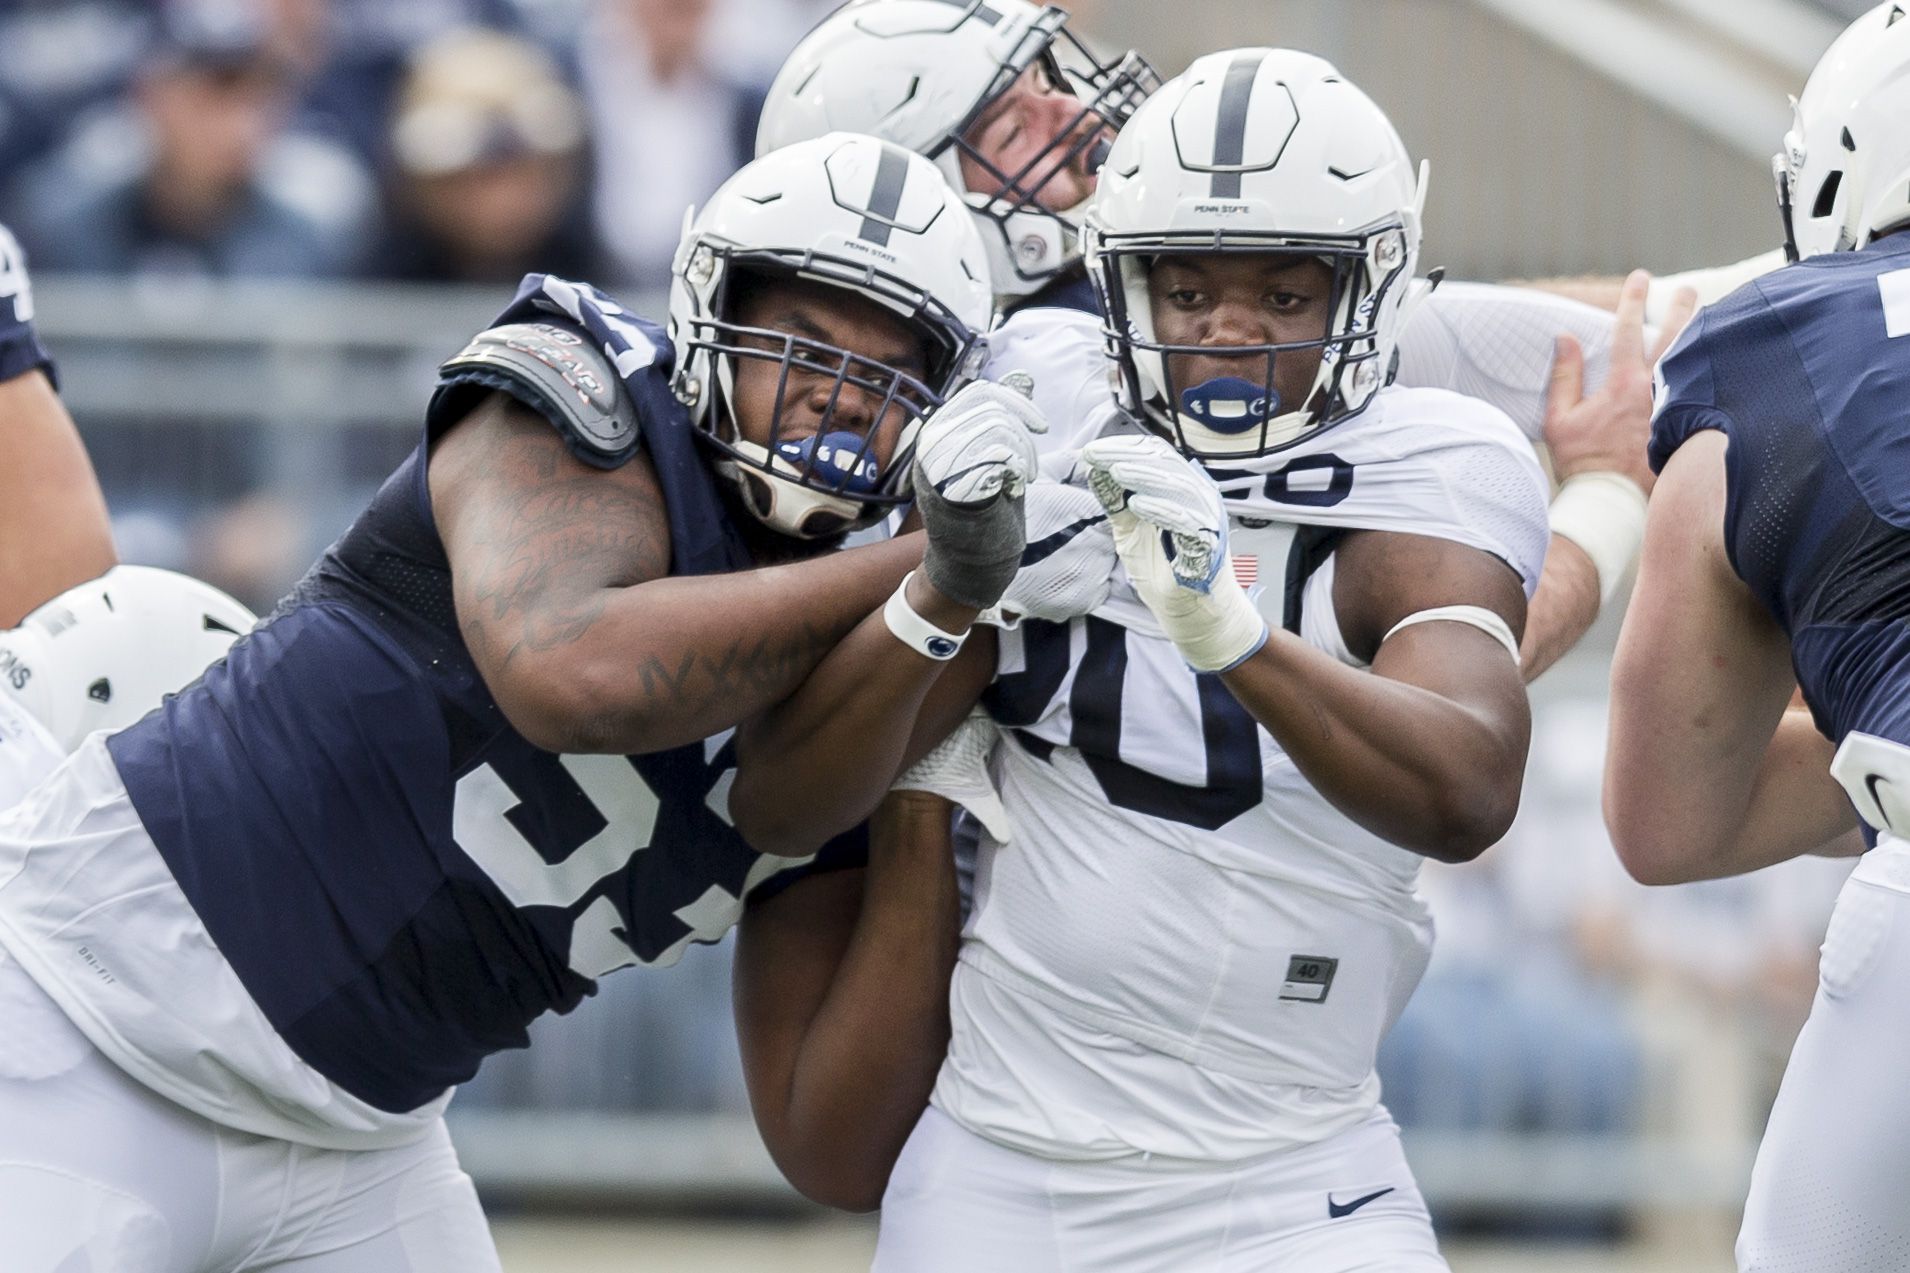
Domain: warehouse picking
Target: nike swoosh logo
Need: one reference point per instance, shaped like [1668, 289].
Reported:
[942, 486]
[1042, 549]
[1870, 785]
[1335, 1210]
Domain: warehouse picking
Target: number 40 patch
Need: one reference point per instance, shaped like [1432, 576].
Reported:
[1309, 977]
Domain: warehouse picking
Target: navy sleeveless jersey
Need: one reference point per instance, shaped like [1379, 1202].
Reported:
[1807, 372]
[400, 879]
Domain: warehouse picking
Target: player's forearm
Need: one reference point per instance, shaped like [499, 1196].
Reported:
[1562, 609]
[1430, 774]
[54, 529]
[867, 1063]
[1670, 830]
[677, 659]
[841, 738]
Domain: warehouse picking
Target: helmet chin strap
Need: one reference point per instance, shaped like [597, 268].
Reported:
[788, 507]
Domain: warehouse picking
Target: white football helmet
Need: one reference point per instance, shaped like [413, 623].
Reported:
[851, 212]
[103, 654]
[920, 73]
[1843, 177]
[1257, 151]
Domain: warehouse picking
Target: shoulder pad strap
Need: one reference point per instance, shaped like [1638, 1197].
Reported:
[557, 372]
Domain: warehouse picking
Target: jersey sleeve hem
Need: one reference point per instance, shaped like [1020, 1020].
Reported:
[1676, 424]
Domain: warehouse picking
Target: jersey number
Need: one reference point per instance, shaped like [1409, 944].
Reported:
[1228, 732]
[610, 821]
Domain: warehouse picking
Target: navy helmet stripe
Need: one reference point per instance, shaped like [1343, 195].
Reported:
[1230, 126]
[891, 175]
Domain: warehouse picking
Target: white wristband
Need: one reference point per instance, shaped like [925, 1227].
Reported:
[1604, 514]
[912, 630]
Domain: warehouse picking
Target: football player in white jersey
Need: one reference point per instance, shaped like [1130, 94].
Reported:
[979, 87]
[53, 526]
[1220, 782]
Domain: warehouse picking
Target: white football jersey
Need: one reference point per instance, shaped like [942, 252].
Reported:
[1186, 951]
[1484, 340]
[28, 752]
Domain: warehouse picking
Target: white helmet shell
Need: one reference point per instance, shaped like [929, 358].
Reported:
[919, 72]
[1258, 150]
[103, 654]
[1843, 177]
[851, 212]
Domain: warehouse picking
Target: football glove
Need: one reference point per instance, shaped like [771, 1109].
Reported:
[1170, 527]
[957, 770]
[973, 463]
[1069, 561]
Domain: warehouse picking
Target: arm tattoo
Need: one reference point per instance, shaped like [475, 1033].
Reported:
[554, 546]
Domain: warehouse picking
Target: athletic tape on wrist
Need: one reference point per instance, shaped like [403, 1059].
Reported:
[1472, 616]
[912, 630]
[1604, 514]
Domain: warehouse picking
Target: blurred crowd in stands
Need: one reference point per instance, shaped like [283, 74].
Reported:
[429, 140]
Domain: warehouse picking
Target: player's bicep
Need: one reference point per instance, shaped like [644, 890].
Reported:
[1701, 675]
[537, 541]
[1384, 579]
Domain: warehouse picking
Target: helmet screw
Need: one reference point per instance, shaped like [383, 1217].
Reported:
[688, 388]
[1391, 250]
[702, 266]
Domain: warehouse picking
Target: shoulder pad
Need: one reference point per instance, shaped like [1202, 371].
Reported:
[557, 372]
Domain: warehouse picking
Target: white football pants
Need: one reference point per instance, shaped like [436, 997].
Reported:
[957, 1203]
[1831, 1189]
[98, 1174]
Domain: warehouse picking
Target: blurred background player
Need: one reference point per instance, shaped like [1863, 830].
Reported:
[53, 525]
[468, 767]
[1776, 560]
[1011, 106]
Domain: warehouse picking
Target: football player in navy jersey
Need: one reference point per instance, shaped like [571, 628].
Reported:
[479, 757]
[1777, 558]
[54, 531]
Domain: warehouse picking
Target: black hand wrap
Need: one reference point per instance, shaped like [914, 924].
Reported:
[973, 549]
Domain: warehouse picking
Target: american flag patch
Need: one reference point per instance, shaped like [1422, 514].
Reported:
[1246, 569]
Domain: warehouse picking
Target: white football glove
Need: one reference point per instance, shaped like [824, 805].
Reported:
[973, 461]
[1068, 565]
[1170, 527]
[958, 770]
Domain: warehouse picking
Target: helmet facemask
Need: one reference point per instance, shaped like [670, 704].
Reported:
[1028, 239]
[822, 482]
[1241, 415]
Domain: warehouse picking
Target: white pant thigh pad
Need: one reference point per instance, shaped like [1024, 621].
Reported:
[1827, 1193]
[957, 1201]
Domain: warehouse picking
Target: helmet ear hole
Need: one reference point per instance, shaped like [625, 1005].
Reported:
[100, 691]
[1827, 194]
